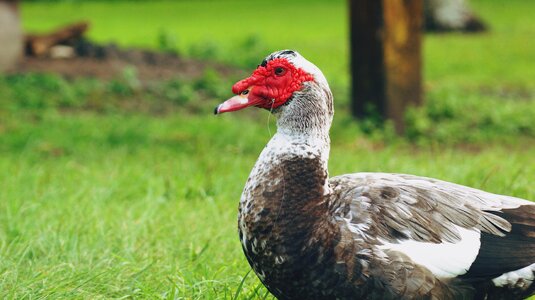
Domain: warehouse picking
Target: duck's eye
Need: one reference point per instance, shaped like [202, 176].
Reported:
[279, 71]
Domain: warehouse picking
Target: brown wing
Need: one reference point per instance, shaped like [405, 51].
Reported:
[399, 207]
[423, 209]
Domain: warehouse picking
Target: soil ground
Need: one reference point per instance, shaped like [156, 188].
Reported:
[108, 61]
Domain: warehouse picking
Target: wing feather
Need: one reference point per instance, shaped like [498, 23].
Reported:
[404, 207]
[426, 209]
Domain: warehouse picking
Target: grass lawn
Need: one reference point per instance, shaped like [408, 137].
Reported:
[133, 205]
[117, 206]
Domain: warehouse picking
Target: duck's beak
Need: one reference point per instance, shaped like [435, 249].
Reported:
[241, 101]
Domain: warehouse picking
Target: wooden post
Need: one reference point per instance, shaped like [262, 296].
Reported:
[10, 34]
[386, 57]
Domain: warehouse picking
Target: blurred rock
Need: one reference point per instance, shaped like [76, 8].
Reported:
[451, 15]
[61, 51]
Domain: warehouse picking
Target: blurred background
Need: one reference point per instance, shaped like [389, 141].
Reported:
[116, 181]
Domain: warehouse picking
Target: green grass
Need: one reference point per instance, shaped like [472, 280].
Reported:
[112, 203]
[131, 205]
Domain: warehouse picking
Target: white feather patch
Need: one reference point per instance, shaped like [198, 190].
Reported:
[522, 276]
[444, 260]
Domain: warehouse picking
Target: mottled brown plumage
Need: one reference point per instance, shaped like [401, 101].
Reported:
[369, 235]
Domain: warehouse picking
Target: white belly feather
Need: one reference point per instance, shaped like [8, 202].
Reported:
[444, 260]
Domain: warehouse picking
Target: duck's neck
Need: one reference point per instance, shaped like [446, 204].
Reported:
[303, 133]
[291, 173]
[301, 163]
[308, 116]
[287, 186]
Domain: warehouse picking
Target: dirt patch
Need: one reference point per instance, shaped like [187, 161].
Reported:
[507, 92]
[86, 59]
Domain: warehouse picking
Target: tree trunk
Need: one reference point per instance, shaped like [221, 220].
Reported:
[386, 57]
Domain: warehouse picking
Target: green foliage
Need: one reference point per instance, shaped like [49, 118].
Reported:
[207, 50]
[450, 115]
[179, 92]
[213, 84]
[463, 116]
[253, 49]
[36, 92]
[167, 42]
[247, 52]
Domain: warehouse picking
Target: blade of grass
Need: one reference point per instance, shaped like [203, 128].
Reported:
[238, 290]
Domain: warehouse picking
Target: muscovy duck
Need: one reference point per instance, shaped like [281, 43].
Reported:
[366, 235]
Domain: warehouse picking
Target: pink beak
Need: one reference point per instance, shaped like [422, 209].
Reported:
[237, 102]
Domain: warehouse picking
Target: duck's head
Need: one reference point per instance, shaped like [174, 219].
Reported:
[285, 82]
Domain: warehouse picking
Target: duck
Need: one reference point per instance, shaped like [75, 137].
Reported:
[365, 235]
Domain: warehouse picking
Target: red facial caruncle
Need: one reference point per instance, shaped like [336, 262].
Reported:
[269, 86]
